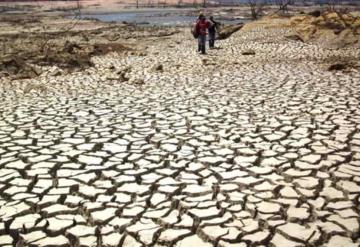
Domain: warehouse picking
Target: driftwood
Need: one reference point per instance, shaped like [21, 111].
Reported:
[226, 31]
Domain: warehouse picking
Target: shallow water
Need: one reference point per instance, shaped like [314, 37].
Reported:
[154, 17]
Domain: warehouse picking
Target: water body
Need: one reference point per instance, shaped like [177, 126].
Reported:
[155, 17]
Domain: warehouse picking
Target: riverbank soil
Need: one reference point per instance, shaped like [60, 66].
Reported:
[32, 44]
[118, 135]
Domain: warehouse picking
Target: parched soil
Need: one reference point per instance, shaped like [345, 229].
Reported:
[254, 144]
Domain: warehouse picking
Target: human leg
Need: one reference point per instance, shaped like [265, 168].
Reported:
[199, 43]
[211, 40]
[203, 43]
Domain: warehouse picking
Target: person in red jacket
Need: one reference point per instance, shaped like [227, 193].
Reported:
[201, 26]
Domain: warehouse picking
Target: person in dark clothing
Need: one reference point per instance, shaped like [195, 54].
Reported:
[201, 28]
[212, 32]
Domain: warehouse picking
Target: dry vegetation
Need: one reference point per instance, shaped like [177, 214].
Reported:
[331, 29]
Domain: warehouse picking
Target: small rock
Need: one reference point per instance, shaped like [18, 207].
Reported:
[337, 66]
[248, 52]
[158, 67]
[56, 72]
[137, 81]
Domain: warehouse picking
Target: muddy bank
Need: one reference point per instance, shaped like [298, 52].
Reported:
[32, 44]
[35, 44]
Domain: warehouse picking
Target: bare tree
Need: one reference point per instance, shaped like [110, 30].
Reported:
[256, 7]
[78, 8]
[283, 4]
[44, 47]
[332, 4]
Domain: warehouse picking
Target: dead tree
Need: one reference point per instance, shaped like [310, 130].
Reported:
[78, 8]
[44, 47]
[256, 8]
[332, 4]
[283, 4]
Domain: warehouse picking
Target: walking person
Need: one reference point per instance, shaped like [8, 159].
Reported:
[213, 28]
[201, 27]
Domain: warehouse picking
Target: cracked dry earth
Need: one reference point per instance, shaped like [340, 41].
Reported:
[220, 150]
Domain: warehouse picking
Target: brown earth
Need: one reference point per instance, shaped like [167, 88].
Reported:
[31, 43]
[330, 29]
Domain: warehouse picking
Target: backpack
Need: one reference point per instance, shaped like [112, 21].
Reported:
[195, 31]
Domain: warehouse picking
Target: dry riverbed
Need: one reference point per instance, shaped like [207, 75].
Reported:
[146, 143]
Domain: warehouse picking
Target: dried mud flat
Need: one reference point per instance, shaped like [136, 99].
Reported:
[164, 147]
